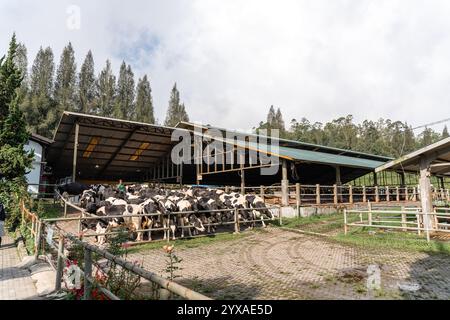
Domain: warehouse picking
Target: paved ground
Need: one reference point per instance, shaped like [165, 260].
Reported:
[15, 283]
[277, 264]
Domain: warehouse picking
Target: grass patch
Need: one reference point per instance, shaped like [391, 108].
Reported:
[190, 243]
[393, 240]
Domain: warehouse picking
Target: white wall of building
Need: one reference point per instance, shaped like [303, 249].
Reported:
[34, 176]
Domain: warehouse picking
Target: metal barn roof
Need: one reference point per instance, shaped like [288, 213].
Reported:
[440, 151]
[107, 147]
[307, 152]
[110, 148]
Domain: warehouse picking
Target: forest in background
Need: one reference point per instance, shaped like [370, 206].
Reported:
[46, 91]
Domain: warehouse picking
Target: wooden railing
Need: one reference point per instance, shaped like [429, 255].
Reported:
[300, 194]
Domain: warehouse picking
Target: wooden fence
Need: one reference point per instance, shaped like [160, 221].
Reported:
[59, 238]
[406, 219]
[299, 194]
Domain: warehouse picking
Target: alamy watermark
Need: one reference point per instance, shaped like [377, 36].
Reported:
[73, 21]
[214, 147]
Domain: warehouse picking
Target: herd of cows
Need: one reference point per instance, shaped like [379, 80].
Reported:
[141, 208]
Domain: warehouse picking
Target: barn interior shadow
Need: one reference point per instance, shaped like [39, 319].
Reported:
[432, 274]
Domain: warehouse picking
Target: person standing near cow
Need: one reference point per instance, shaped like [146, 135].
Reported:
[2, 222]
[122, 189]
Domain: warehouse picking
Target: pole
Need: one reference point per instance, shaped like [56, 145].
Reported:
[60, 263]
[75, 150]
[87, 273]
[284, 185]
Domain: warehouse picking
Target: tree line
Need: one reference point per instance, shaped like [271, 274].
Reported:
[46, 91]
[382, 137]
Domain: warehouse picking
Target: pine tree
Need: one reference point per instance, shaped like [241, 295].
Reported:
[271, 117]
[124, 106]
[176, 111]
[38, 107]
[106, 88]
[65, 84]
[445, 133]
[21, 62]
[14, 160]
[86, 85]
[144, 103]
[10, 79]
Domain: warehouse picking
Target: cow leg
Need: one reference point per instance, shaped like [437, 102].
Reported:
[262, 221]
[165, 226]
[173, 228]
[182, 226]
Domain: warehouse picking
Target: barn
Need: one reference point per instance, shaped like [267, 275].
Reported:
[92, 149]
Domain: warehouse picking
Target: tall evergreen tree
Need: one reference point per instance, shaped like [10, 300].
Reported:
[65, 84]
[445, 133]
[144, 102]
[14, 160]
[39, 108]
[10, 78]
[106, 88]
[176, 111]
[21, 62]
[86, 85]
[271, 116]
[124, 106]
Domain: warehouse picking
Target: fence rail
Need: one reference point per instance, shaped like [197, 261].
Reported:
[406, 219]
[302, 194]
[39, 228]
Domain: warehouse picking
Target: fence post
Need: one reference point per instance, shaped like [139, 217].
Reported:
[60, 263]
[65, 209]
[350, 193]
[406, 194]
[436, 221]
[317, 193]
[364, 194]
[37, 239]
[387, 194]
[297, 198]
[418, 224]
[236, 221]
[369, 214]
[261, 192]
[335, 196]
[397, 192]
[22, 210]
[377, 194]
[87, 273]
[345, 222]
[403, 218]
[80, 226]
[227, 189]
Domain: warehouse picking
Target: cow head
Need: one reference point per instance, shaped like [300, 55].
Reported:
[196, 222]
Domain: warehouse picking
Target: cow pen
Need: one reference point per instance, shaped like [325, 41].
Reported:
[57, 240]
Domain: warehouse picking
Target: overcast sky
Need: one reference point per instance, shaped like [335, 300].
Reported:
[233, 59]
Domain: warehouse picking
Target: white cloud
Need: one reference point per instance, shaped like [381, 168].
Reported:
[233, 59]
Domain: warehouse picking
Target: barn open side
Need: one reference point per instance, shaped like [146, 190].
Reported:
[99, 149]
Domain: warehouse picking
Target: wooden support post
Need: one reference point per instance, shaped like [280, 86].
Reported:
[377, 195]
[403, 219]
[242, 163]
[375, 179]
[350, 193]
[261, 192]
[387, 194]
[335, 195]
[284, 184]
[75, 151]
[364, 194]
[345, 222]
[297, 198]
[369, 214]
[65, 209]
[406, 194]
[87, 273]
[37, 239]
[397, 193]
[425, 192]
[60, 263]
[317, 193]
[236, 220]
